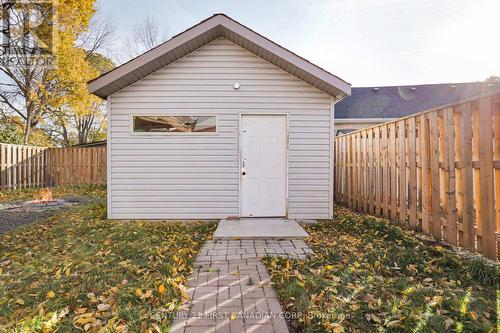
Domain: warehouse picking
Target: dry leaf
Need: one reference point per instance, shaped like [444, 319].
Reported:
[103, 307]
[161, 289]
[80, 310]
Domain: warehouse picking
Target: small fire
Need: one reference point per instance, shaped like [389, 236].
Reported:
[45, 195]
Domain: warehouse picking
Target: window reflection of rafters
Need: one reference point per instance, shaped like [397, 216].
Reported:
[174, 123]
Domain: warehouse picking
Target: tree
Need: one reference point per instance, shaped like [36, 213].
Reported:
[91, 126]
[34, 89]
[9, 132]
[145, 36]
[99, 36]
[83, 120]
[19, 62]
[70, 126]
[493, 78]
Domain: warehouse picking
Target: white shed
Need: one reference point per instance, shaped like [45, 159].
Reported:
[219, 122]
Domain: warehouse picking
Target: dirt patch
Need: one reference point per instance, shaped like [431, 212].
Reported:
[12, 220]
[12, 215]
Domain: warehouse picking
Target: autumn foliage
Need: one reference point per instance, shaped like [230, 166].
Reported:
[78, 271]
[369, 275]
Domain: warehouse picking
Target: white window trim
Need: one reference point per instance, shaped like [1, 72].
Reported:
[160, 114]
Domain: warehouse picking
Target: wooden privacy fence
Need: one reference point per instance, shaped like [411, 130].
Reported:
[30, 166]
[437, 172]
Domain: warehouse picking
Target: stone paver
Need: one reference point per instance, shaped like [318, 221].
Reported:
[230, 287]
[216, 250]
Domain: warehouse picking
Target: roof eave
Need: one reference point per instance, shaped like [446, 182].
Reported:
[209, 29]
[95, 86]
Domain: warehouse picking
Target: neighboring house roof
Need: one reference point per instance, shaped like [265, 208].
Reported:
[102, 143]
[219, 25]
[343, 131]
[400, 101]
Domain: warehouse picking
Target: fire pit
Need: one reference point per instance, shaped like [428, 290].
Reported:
[44, 201]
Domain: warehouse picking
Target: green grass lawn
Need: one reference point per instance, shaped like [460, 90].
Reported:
[79, 271]
[369, 275]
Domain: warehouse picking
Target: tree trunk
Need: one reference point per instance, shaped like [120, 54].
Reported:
[27, 128]
[65, 136]
[27, 133]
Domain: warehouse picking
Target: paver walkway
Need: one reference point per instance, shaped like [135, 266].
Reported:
[215, 250]
[230, 287]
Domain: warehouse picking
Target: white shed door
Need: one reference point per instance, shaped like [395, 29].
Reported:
[263, 165]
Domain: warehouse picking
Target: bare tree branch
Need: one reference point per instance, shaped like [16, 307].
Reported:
[145, 36]
[99, 36]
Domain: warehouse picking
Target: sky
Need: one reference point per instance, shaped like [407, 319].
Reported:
[365, 42]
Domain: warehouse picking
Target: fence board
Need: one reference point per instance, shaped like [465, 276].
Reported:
[355, 154]
[402, 182]
[466, 176]
[437, 171]
[345, 169]
[496, 129]
[393, 171]
[412, 174]
[369, 160]
[3, 167]
[30, 166]
[449, 183]
[435, 180]
[486, 207]
[378, 183]
[385, 172]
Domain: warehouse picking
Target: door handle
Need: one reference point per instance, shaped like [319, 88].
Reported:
[243, 170]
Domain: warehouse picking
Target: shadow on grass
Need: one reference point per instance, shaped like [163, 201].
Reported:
[78, 270]
[370, 275]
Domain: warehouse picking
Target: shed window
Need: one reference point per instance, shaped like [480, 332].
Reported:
[175, 124]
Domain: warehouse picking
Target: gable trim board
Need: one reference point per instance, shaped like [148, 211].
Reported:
[195, 37]
[163, 176]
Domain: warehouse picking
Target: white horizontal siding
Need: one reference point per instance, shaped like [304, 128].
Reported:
[197, 176]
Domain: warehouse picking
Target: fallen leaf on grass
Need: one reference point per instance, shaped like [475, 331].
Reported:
[71, 239]
[103, 307]
[50, 294]
[365, 262]
[161, 289]
[80, 310]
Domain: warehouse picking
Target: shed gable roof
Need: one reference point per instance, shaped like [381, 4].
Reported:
[219, 25]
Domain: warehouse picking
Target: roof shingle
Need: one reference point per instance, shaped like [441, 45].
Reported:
[401, 101]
